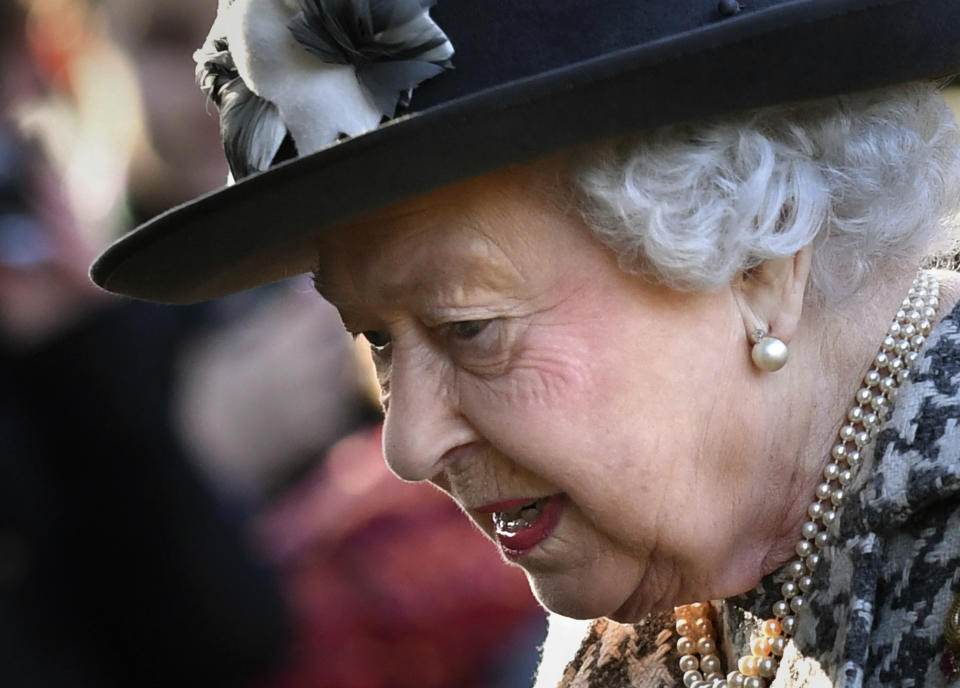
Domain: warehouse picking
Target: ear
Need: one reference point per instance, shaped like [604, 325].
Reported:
[771, 295]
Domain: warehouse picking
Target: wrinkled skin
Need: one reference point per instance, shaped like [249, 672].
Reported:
[517, 360]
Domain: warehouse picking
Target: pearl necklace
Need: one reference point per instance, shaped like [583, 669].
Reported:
[699, 659]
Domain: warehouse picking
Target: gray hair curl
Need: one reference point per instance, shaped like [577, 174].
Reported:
[867, 178]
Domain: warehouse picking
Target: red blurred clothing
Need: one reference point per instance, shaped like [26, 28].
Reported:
[389, 583]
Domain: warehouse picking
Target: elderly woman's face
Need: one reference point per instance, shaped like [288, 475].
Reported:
[590, 422]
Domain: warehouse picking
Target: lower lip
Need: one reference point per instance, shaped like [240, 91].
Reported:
[515, 545]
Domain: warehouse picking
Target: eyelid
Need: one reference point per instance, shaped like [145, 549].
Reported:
[487, 353]
[481, 323]
[489, 336]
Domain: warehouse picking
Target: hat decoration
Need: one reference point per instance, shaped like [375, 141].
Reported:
[534, 77]
[291, 77]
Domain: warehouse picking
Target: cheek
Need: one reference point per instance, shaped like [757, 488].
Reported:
[549, 411]
[538, 383]
[606, 419]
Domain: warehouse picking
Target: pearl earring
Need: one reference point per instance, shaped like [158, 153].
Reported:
[769, 353]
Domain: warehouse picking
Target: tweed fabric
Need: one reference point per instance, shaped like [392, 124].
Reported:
[882, 591]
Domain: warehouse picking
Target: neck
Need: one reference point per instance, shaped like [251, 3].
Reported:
[885, 372]
[830, 354]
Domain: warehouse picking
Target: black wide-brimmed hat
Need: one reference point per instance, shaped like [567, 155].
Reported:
[332, 108]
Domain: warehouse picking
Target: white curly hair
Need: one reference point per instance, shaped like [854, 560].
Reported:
[868, 178]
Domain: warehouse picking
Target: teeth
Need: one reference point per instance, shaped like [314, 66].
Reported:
[515, 525]
[517, 519]
[530, 513]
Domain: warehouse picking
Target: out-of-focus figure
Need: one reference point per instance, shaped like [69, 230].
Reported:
[174, 158]
[137, 566]
[119, 565]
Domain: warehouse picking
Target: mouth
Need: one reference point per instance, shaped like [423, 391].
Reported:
[521, 525]
[512, 521]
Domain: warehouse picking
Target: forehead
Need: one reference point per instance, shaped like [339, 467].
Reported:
[489, 233]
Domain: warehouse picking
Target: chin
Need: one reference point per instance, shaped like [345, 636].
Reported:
[577, 599]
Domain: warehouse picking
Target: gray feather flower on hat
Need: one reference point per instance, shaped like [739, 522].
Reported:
[290, 77]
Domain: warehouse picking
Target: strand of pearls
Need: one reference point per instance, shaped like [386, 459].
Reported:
[699, 660]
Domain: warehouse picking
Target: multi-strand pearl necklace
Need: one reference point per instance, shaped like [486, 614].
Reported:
[697, 645]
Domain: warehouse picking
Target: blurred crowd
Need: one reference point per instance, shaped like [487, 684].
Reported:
[195, 495]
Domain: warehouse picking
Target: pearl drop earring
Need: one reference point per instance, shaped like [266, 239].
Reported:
[769, 353]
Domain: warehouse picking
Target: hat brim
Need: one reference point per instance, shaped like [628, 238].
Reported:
[263, 228]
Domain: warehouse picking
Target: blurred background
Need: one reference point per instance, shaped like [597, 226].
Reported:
[195, 495]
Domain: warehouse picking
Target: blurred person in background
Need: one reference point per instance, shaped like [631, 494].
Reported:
[174, 158]
[225, 447]
[118, 564]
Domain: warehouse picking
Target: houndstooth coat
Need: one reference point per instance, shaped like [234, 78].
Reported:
[883, 587]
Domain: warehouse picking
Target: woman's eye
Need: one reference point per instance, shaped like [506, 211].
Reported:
[468, 329]
[480, 346]
[378, 340]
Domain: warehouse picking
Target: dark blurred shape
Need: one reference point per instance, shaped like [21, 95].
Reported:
[118, 564]
[23, 241]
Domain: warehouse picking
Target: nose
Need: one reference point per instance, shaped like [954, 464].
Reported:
[423, 421]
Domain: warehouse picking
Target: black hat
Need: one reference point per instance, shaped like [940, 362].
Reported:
[332, 108]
